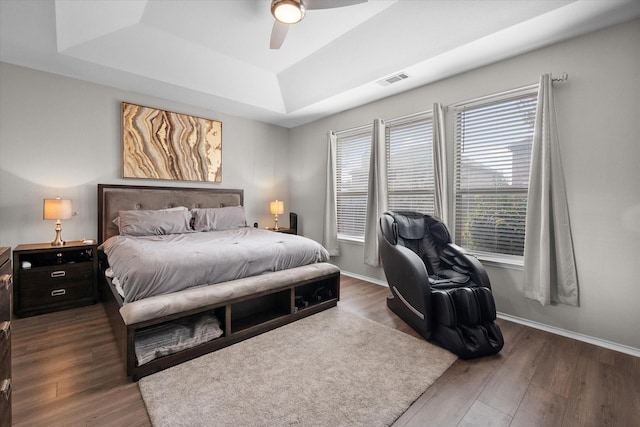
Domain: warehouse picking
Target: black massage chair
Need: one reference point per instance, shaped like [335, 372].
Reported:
[436, 287]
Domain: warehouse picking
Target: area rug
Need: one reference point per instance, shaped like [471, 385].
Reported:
[334, 368]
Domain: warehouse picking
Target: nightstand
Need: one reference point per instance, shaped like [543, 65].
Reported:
[50, 278]
[293, 225]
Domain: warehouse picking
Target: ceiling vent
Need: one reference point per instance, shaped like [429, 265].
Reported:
[393, 79]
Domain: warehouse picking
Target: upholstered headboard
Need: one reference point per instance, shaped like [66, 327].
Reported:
[115, 198]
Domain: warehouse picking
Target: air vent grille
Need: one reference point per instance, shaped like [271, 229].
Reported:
[393, 79]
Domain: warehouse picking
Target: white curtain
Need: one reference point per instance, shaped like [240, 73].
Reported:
[330, 230]
[441, 199]
[549, 264]
[376, 193]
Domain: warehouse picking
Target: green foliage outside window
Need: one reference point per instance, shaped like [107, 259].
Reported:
[494, 224]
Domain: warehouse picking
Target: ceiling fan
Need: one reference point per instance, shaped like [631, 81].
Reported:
[287, 12]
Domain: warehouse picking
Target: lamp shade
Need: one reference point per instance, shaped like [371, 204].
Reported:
[57, 209]
[276, 207]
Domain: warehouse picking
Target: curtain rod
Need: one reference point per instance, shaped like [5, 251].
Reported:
[560, 79]
[353, 130]
[563, 77]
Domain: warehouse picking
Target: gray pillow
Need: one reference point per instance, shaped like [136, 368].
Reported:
[154, 222]
[217, 219]
[116, 220]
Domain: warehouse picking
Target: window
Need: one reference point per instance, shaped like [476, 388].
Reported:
[493, 139]
[353, 150]
[409, 146]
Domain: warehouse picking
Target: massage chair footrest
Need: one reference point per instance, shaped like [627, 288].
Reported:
[465, 321]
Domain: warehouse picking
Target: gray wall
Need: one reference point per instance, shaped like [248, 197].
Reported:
[61, 137]
[599, 114]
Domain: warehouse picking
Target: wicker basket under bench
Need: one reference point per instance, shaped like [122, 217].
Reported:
[245, 307]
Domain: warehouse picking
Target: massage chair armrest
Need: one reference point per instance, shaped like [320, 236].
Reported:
[478, 273]
[406, 272]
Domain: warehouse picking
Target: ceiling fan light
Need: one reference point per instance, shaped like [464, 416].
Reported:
[287, 11]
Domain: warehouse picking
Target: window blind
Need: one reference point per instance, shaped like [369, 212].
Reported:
[352, 169]
[493, 139]
[410, 181]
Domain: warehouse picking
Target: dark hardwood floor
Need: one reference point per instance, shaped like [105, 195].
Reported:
[67, 372]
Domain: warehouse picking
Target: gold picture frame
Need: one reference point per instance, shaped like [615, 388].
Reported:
[159, 144]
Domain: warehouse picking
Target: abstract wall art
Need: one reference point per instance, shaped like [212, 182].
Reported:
[160, 144]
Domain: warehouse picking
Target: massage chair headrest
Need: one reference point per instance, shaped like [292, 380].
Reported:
[409, 225]
[438, 230]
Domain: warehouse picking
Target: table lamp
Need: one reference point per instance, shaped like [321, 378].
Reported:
[57, 209]
[276, 208]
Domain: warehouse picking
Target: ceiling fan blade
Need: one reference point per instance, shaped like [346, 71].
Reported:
[278, 33]
[330, 4]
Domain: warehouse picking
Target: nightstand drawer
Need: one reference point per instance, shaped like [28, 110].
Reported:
[45, 276]
[54, 293]
[5, 304]
[5, 334]
[58, 256]
[5, 301]
[5, 337]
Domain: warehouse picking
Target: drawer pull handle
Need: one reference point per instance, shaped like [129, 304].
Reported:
[5, 329]
[5, 389]
[58, 292]
[59, 273]
[5, 281]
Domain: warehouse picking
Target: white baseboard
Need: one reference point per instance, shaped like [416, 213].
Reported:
[570, 334]
[552, 329]
[365, 278]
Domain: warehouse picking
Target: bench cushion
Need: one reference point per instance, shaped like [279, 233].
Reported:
[193, 298]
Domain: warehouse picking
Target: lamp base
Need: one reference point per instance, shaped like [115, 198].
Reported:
[58, 240]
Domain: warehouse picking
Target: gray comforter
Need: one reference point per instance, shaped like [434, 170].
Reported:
[154, 265]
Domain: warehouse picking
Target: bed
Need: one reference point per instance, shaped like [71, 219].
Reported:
[252, 290]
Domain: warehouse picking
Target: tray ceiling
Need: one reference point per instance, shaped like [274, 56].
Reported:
[215, 54]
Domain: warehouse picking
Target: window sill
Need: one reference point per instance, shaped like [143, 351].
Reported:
[510, 262]
[354, 240]
[513, 263]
